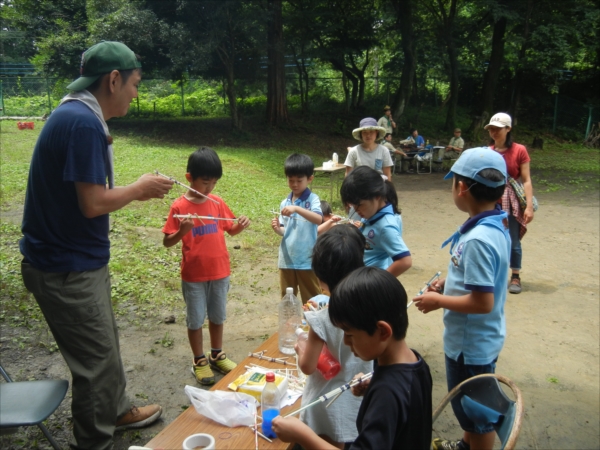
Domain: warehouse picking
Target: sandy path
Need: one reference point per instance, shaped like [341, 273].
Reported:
[551, 352]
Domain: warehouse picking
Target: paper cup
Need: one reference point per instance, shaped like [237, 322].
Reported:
[200, 440]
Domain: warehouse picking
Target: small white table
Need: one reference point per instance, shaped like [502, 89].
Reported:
[334, 177]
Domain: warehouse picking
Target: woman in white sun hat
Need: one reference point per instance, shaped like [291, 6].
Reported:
[369, 152]
[517, 166]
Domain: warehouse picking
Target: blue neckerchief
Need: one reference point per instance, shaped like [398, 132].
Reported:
[303, 197]
[469, 224]
[387, 209]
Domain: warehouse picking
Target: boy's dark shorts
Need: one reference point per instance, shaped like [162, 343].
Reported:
[456, 373]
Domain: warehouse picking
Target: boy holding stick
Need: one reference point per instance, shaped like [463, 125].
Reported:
[205, 267]
[369, 305]
[474, 293]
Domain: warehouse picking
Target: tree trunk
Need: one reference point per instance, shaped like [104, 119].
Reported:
[277, 112]
[228, 63]
[453, 59]
[490, 79]
[404, 21]
[231, 96]
[517, 80]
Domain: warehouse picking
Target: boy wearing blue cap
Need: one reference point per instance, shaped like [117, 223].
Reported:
[474, 292]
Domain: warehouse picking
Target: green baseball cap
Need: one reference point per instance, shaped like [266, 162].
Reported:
[103, 58]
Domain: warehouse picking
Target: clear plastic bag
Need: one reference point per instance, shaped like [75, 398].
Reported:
[232, 409]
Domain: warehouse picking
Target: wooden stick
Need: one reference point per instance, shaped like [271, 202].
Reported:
[185, 186]
[433, 278]
[268, 358]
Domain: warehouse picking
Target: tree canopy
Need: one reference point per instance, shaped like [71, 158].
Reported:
[487, 55]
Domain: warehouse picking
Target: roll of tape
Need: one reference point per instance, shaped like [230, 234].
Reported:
[200, 440]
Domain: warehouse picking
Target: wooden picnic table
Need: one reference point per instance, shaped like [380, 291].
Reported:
[190, 422]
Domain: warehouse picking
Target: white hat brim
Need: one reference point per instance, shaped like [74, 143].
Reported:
[496, 124]
[356, 133]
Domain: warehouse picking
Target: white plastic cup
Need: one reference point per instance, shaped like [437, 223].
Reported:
[200, 440]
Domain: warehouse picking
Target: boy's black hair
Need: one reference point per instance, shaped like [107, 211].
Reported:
[392, 196]
[204, 163]
[387, 134]
[363, 183]
[326, 208]
[481, 192]
[365, 297]
[297, 165]
[336, 253]
[412, 130]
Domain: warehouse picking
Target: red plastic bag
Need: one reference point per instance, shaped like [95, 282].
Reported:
[25, 125]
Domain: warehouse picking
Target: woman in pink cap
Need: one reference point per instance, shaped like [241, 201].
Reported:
[517, 165]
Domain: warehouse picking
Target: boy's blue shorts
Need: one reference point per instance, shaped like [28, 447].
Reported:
[205, 297]
[456, 373]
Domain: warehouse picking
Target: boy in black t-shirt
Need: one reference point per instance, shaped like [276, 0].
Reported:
[369, 305]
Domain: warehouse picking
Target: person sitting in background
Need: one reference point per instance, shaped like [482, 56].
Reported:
[394, 152]
[454, 147]
[418, 140]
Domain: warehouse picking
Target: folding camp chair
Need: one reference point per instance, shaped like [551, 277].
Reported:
[485, 402]
[26, 403]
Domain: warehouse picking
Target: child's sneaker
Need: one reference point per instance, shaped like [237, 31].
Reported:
[202, 372]
[222, 363]
[445, 444]
[139, 417]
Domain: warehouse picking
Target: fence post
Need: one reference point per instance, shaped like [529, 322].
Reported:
[182, 100]
[49, 97]
[589, 124]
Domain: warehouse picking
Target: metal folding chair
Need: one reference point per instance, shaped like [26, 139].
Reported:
[27, 403]
[484, 401]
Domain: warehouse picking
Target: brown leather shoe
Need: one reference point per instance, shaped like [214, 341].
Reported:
[139, 417]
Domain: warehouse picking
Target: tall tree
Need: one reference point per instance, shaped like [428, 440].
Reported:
[445, 11]
[277, 112]
[404, 23]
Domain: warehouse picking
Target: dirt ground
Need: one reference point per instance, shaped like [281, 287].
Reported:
[551, 350]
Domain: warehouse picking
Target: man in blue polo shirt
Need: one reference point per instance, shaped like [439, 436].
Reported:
[474, 293]
[65, 245]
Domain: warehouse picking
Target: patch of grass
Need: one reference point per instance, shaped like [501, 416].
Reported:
[166, 342]
[553, 380]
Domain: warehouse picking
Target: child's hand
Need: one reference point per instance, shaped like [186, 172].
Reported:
[288, 429]
[437, 286]
[186, 225]
[360, 389]
[243, 221]
[427, 302]
[275, 225]
[288, 210]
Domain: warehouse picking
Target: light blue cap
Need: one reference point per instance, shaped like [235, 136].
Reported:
[474, 160]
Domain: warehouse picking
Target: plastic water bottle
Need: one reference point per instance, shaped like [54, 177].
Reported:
[290, 318]
[270, 401]
[335, 158]
[327, 364]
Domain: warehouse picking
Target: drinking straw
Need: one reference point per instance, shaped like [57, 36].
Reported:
[185, 186]
[196, 216]
[433, 278]
[333, 393]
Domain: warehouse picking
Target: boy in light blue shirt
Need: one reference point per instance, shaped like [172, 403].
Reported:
[474, 293]
[297, 224]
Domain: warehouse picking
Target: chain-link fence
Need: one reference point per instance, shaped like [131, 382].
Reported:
[30, 96]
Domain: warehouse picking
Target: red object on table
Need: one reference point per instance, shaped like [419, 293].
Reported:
[25, 125]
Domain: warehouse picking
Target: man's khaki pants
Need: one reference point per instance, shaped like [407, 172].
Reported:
[79, 312]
